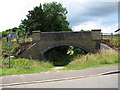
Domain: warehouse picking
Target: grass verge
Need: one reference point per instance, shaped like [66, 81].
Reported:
[103, 58]
[24, 66]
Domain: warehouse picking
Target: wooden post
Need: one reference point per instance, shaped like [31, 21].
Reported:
[111, 36]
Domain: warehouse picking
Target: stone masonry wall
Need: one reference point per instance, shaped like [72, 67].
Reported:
[89, 41]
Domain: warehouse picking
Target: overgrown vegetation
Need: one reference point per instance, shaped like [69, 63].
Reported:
[116, 41]
[62, 55]
[15, 48]
[113, 43]
[23, 66]
[46, 17]
[104, 57]
[5, 48]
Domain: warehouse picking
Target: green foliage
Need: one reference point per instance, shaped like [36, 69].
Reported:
[104, 57]
[20, 32]
[75, 51]
[46, 18]
[84, 30]
[63, 55]
[5, 48]
[56, 14]
[6, 32]
[23, 66]
[0, 35]
[59, 56]
[116, 41]
[17, 63]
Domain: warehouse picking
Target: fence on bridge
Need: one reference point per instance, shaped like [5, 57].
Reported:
[109, 36]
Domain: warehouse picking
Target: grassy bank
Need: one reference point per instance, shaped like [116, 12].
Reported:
[103, 58]
[24, 66]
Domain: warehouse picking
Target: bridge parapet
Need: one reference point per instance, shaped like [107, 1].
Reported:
[58, 36]
[36, 36]
[96, 34]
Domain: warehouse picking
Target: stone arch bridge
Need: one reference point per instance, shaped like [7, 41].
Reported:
[88, 41]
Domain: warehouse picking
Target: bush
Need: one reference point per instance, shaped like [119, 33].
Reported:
[5, 48]
[116, 41]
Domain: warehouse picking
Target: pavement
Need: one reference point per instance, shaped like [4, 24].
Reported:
[56, 76]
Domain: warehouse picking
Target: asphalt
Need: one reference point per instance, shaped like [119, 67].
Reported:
[56, 76]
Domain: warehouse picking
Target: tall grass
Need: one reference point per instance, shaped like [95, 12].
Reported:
[23, 66]
[104, 57]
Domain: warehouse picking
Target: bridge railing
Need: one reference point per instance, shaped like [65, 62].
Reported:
[109, 36]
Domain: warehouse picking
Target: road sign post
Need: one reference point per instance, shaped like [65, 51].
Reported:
[11, 36]
[9, 50]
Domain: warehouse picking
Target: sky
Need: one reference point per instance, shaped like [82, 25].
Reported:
[82, 14]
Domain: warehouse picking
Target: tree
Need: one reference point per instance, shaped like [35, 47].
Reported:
[5, 33]
[47, 18]
[56, 17]
[34, 20]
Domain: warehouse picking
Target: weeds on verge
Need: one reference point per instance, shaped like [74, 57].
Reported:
[103, 57]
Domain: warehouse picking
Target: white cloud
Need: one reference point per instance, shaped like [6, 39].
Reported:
[117, 24]
[13, 11]
[93, 25]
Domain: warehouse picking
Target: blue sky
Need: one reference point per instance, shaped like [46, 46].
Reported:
[82, 14]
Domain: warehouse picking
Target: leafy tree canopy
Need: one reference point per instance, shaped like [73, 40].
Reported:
[46, 18]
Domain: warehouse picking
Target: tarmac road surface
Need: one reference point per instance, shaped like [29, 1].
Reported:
[104, 81]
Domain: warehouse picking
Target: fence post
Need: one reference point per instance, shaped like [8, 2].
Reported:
[111, 36]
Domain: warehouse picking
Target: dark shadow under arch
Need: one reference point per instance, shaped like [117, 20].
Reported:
[46, 54]
[65, 44]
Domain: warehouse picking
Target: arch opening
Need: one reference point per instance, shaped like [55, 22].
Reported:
[61, 55]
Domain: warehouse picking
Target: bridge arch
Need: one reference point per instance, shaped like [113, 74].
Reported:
[46, 53]
[64, 44]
